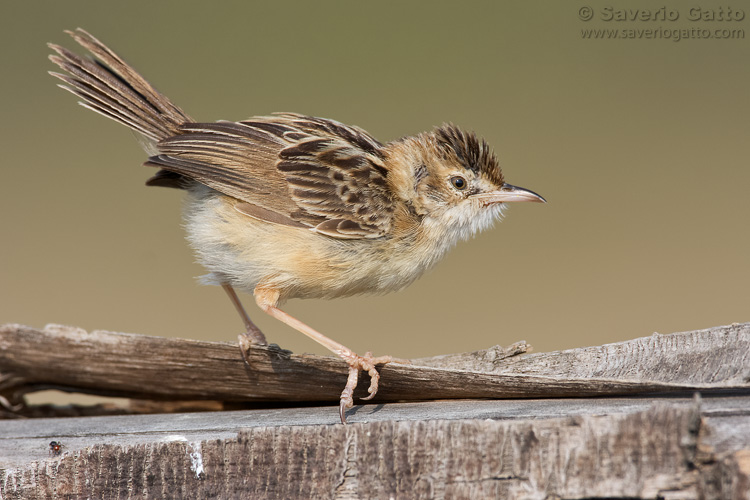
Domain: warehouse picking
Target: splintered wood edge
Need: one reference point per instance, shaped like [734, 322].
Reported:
[146, 367]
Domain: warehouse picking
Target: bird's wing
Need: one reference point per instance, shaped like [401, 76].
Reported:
[288, 169]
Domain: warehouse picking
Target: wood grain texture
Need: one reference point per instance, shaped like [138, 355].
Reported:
[674, 449]
[570, 446]
[145, 367]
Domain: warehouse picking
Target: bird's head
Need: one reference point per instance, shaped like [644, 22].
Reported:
[457, 185]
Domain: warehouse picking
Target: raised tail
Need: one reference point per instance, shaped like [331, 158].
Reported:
[110, 87]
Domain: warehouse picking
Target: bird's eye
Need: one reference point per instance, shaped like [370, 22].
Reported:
[459, 182]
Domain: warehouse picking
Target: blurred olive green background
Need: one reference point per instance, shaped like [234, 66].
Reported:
[640, 146]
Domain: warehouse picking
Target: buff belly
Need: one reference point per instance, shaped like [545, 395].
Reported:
[244, 252]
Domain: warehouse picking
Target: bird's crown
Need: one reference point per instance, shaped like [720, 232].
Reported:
[470, 151]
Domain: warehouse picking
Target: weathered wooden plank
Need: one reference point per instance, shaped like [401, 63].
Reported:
[720, 354]
[595, 448]
[147, 367]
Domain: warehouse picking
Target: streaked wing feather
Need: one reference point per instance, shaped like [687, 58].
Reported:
[165, 178]
[289, 169]
[259, 213]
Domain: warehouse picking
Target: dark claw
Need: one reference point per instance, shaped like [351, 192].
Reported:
[342, 412]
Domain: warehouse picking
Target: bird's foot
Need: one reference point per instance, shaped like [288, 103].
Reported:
[254, 335]
[356, 364]
[248, 339]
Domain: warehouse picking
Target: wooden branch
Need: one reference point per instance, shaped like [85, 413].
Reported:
[678, 448]
[145, 367]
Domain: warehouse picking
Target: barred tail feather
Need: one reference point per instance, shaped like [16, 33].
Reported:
[108, 86]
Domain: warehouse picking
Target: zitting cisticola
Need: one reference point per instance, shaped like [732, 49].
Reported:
[292, 206]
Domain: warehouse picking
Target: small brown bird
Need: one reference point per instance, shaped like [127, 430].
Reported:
[292, 206]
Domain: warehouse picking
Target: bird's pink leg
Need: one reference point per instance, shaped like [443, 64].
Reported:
[252, 331]
[267, 299]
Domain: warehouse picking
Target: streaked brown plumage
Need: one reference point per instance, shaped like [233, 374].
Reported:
[292, 206]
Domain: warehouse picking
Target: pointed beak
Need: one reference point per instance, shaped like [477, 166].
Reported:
[510, 193]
